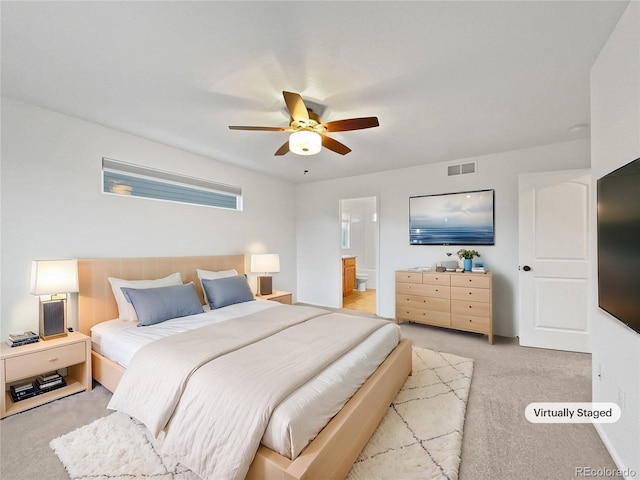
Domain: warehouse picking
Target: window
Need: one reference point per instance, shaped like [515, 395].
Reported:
[346, 230]
[120, 178]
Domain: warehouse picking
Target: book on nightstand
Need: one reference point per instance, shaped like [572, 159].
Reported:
[17, 339]
[24, 391]
[50, 381]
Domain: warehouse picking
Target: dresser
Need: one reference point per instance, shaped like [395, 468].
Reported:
[461, 301]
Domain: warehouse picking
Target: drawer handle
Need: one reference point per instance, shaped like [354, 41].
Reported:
[469, 293]
[54, 359]
[470, 306]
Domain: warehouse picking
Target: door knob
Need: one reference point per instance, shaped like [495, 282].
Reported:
[526, 268]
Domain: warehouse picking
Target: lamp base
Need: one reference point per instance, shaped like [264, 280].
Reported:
[53, 319]
[265, 285]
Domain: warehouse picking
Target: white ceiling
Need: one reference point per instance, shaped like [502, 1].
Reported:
[447, 80]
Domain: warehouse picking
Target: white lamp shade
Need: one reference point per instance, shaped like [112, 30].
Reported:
[49, 277]
[265, 263]
[305, 142]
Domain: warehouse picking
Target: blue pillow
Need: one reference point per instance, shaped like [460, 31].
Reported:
[227, 291]
[155, 305]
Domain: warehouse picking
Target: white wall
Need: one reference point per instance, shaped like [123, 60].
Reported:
[318, 228]
[615, 134]
[52, 205]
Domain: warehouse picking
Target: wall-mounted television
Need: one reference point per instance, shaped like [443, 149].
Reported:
[461, 218]
[619, 244]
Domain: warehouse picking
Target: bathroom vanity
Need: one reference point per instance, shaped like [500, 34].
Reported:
[348, 275]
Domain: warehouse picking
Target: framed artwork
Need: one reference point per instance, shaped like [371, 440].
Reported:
[462, 218]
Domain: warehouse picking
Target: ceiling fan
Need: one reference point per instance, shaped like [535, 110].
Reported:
[308, 131]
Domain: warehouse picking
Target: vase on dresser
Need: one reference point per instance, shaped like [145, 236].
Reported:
[467, 264]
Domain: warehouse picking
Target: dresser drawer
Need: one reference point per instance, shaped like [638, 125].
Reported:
[427, 303]
[409, 277]
[436, 279]
[437, 291]
[471, 322]
[471, 308]
[423, 316]
[32, 364]
[475, 280]
[472, 294]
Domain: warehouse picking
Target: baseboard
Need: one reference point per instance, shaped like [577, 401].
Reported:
[625, 472]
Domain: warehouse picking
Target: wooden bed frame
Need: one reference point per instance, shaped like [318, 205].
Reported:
[332, 453]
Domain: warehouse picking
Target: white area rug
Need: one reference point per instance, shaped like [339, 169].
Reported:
[420, 437]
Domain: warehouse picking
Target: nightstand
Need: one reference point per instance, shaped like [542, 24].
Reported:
[278, 296]
[25, 363]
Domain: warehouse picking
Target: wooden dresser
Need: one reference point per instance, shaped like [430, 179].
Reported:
[461, 301]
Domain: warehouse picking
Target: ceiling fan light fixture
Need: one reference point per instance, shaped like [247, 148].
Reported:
[305, 142]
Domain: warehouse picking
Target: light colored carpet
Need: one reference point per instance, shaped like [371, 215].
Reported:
[420, 437]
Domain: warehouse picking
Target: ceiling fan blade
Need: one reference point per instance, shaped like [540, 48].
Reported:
[283, 149]
[351, 124]
[265, 129]
[296, 106]
[334, 145]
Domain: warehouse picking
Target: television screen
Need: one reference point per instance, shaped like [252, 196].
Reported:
[463, 218]
[619, 244]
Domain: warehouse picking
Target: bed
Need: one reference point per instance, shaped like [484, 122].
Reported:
[332, 453]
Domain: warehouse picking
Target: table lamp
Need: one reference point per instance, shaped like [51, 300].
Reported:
[265, 263]
[51, 281]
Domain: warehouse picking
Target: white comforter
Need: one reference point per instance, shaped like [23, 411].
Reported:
[214, 407]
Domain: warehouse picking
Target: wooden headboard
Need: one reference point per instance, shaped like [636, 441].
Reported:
[95, 300]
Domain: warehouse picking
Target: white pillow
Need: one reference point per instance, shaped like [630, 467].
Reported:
[125, 309]
[209, 275]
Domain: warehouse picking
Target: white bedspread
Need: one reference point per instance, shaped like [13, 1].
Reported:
[215, 406]
[119, 340]
[291, 427]
[152, 386]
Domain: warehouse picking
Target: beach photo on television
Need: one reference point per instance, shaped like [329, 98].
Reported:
[465, 218]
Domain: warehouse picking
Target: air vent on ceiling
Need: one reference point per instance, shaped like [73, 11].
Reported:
[461, 169]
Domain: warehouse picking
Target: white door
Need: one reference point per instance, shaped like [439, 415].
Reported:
[554, 217]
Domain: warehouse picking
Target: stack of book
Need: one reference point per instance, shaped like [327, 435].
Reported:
[50, 381]
[24, 391]
[17, 339]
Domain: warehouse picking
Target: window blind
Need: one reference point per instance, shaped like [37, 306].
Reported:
[121, 178]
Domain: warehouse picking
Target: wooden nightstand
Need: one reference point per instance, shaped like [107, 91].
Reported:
[25, 363]
[278, 296]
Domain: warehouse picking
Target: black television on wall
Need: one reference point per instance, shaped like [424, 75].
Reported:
[619, 244]
[461, 218]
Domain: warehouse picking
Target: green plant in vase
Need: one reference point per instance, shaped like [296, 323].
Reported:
[467, 256]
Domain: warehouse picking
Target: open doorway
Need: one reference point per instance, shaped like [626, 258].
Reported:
[359, 246]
